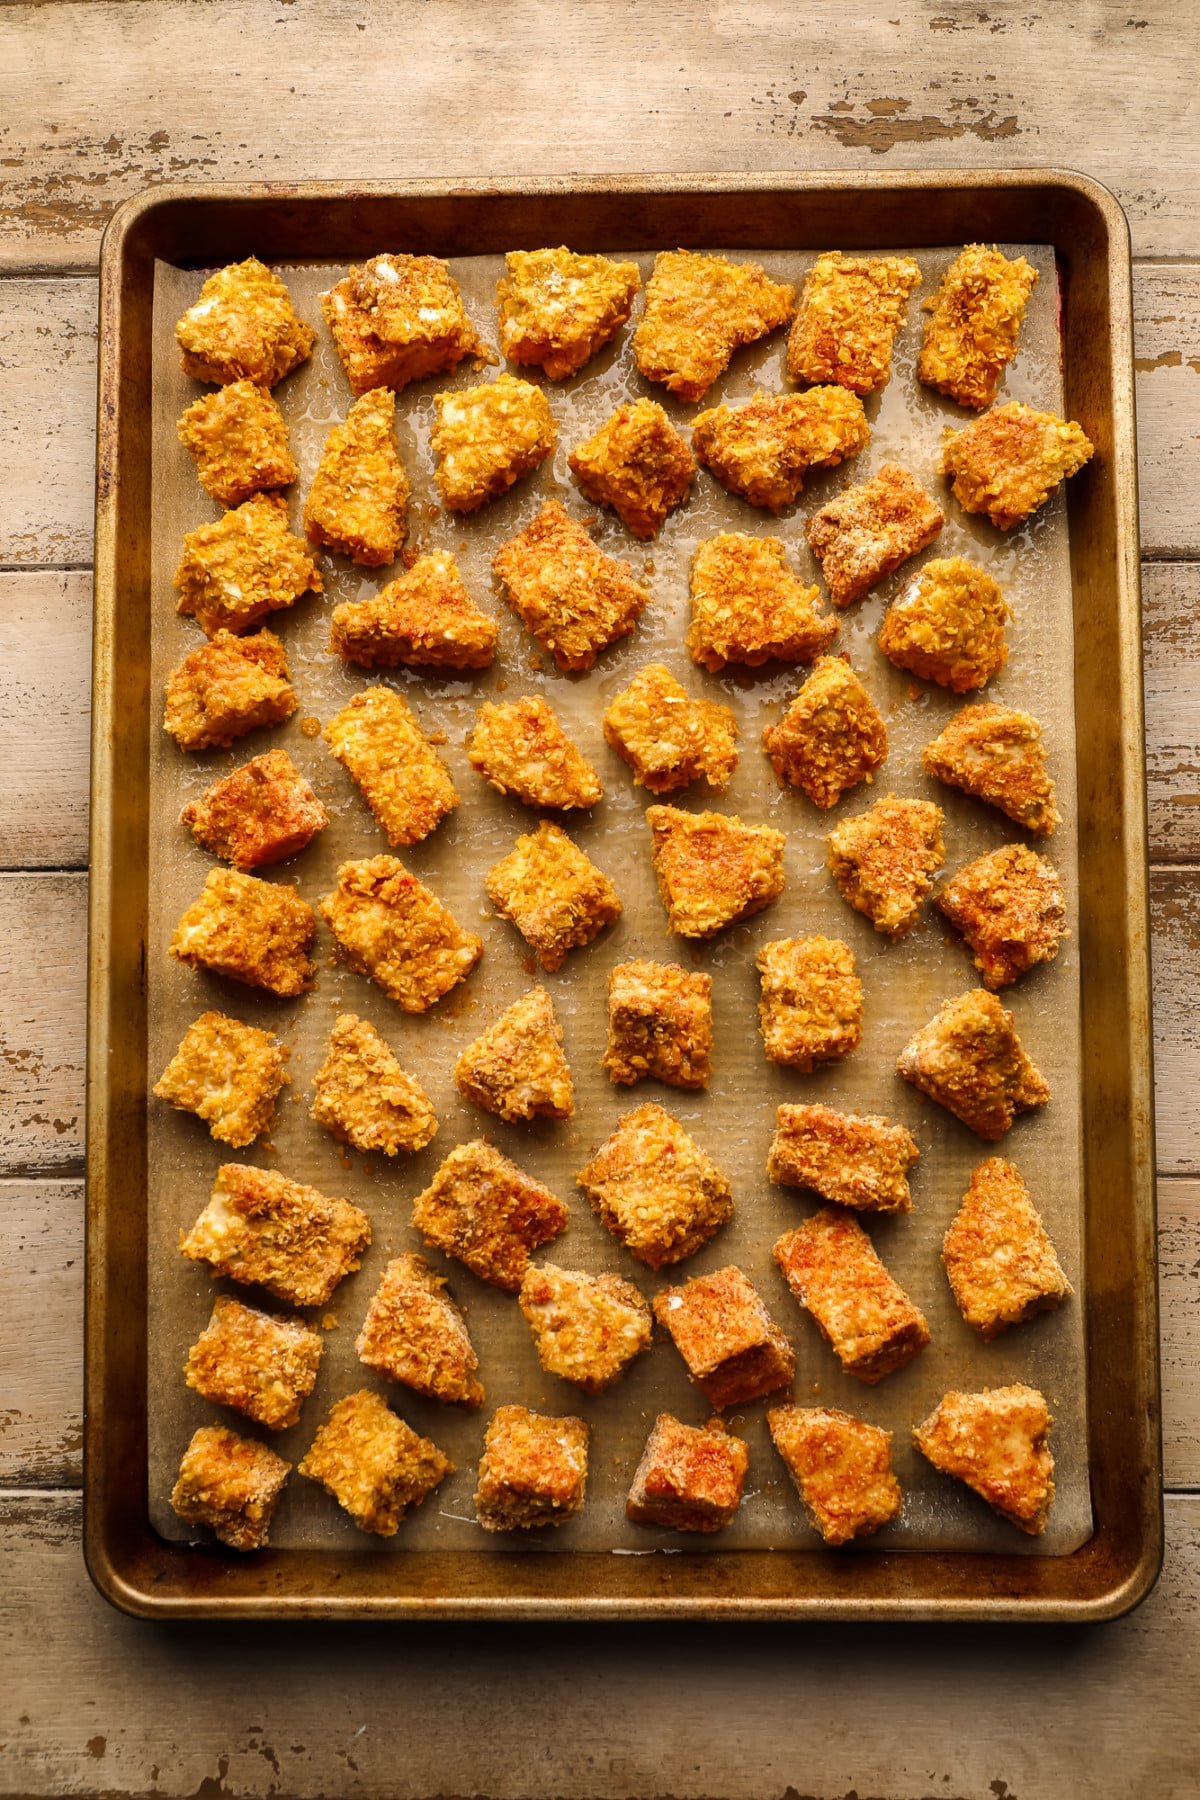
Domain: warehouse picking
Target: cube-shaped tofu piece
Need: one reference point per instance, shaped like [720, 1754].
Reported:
[391, 928]
[948, 625]
[374, 1465]
[655, 1189]
[587, 1328]
[555, 895]
[258, 1363]
[842, 1468]
[517, 1069]
[831, 737]
[573, 598]
[638, 464]
[764, 450]
[231, 1484]
[996, 753]
[699, 310]
[971, 1061]
[396, 319]
[558, 308]
[521, 749]
[884, 860]
[484, 1210]
[690, 1477]
[264, 1230]
[748, 608]
[975, 316]
[832, 1269]
[252, 931]
[855, 1160]
[360, 490]
[713, 869]
[850, 309]
[998, 1255]
[733, 1349]
[1009, 907]
[243, 328]
[379, 742]
[262, 813]
[659, 1025]
[866, 532]
[487, 437]
[363, 1097]
[811, 1006]
[414, 1333]
[667, 738]
[533, 1472]
[248, 564]
[239, 441]
[425, 617]
[228, 1074]
[997, 1442]
[1009, 462]
[226, 688]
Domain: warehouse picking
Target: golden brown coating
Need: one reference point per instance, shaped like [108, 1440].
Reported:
[484, 1210]
[712, 868]
[850, 309]
[360, 490]
[391, 928]
[842, 1468]
[243, 328]
[998, 1255]
[379, 742]
[264, 1230]
[948, 625]
[587, 1328]
[375, 1466]
[425, 617]
[397, 318]
[996, 753]
[517, 1069]
[240, 442]
[811, 1006]
[638, 464]
[698, 311]
[832, 1269]
[228, 1074]
[363, 1097]
[554, 894]
[260, 1364]
[858, 1160]
[1010, 908]
[733, 1349]
[414, 1333]
[884, 860]
[487, 437]
[748, 608]
[573, 598]
[659, 1025]
[974, 320]
[831, 737]
[997, 1442]
[520, 748]
[262, 813]
[1009, 462]
[256, 932]
[558, 308]
[533, 1472]
[246, 565]
[764, 450]
[971, 1061]
[667, 738]
[865, 532]
[231, 1484]
[690, 1478]
[226, 688]
[655, 1189]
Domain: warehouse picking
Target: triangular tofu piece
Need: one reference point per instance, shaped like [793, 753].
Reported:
[425, 617]
[414, 1333]
[996, 1441]
[713, 868]
[971, 1061]
[998, 1255]
[363, 1096]
[520, 748]
[997, 754]
[356, 502]
[517, 1069]
[885, 859]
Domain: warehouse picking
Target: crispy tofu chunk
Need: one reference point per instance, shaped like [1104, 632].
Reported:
[811, 1006]
[638, 464]
[1010, 908]
[414, 1333]
[228, 1074]
[884, 861]
[243, 328]
[971, 1061]
[378, 741]
[713, 869]
[249, 930]
[249, 564]
[698, 311]
[226, 688]
[520, 748]
[842, 1468]
[975, 317]
[239, 441]
[374, 1465]
[996, 753]
[518, 1069]
[1009, 462]
[484, 1210]
[998, 1255]
[425, 617]
[655, 1189]
[851, 308]
[391, 928]
[733, 1349]
[587, 1328]
[262, 813]
[555, 895]
[487, 437]
[533, 1472]
[557, 308]
[363, 1097]
[861, 1161]
[748, 608]
[832, 1269]
[575, 600]
[360, 490]
[690, 1478]
[263, 1230]
[260, 1364]
[996, 1441]
[831, 737]
[668, 739]
[764, 450]
[231, 1484]
[948, 625]
[659, 1025]
[396, 319]
[866, 532]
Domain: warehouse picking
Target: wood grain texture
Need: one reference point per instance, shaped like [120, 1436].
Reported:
[1171, 646]
[45, 705]
[1179, 1296]
[1167, 364]
[43, 945]
[1175, 937]
[47, 419]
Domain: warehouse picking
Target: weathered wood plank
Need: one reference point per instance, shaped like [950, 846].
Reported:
[1175, 935]
[1171, 641]
[43, 947]
[45, 691]
[1167, 362]
[1179, 1288]
[41, 1333]
[47, 419]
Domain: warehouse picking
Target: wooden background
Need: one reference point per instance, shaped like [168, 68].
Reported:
[99, 100]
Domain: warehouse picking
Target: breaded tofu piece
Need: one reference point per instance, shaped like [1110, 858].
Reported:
[533, 1472]
[850, 309]
[884, 861]
[638, 464]
[258, 1363]
[866, 532]
[573, 598]
[998, 1255]
[713, 869]
[996, 753]
[558, 308]
[690, 1478]
[971, 1061]
[391, 928]
[868, 1320]
[764, 450]
[659, 1025]
[228, 1074]
[243, 328]
[668, 739]
[363, 1097]
[655, 1189]
[517, 1069]
[842, 1468]
[587, 1328]
[484, 1210]
[1009, 462]
[831, 737]
[948, 625]
[414, 1333]
[378, 741]
[264, 1230]
[748, 608]
[974, 320]
[699, 310]
[425, 617]
[485, 438]
[246, 565]
[520, 748]
[554, 894]
[239, 441]
[360, 490]
[226, 688]
[374, 1465]
[231, 1484]
[256, 932]
[1010, 909]
[733, 1349]
[997, 1442]
[259, 814]
[853, 1159]
[811, 1006]
[397, 318]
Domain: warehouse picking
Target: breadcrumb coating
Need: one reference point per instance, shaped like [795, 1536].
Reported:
[573, 598]
[243, 328]
[520, 748]
[866, 532]
[425, 617]
[998, 1255]
[1009, 462]
[1009, 907]
[659, 1025]
[226, 688]
[971, 1061]
[713, 869]
[733, 1349]
[533, 1472]
[997, 1442]
[974, 320]
[487, 437]
[996, 753]
[363, 1097]
[638, 464]
[948, 625]
[856, 1160]
[558, 308]
[885, 859]
[811, 1006]
[748, 608]
[655, 1189]
[259, 814]
[256, 932]
[484, 1210]
[764, 450]
[851, 308]
[264, 1230]
[239, 441]
[832, 1269]
[246, 565]
[690, 1478]
[374, 1465]
[378, 741]
[668, 739]
[360, 490]
[391, 928]
[587, 1328]
[554, 894]
[231, 1484]
[228, 1074]
[698, 311]
[397, 318]
[414, 1333]
[831, 737]
[517, 1069]
[258, 1363]
[842, 1468]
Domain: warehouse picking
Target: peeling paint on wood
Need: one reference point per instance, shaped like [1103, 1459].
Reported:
[45, 706]
[1171, 643]
[43, 949]
[1175, 936]
[41, 1308]
[1167, 346]
[47, 419]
